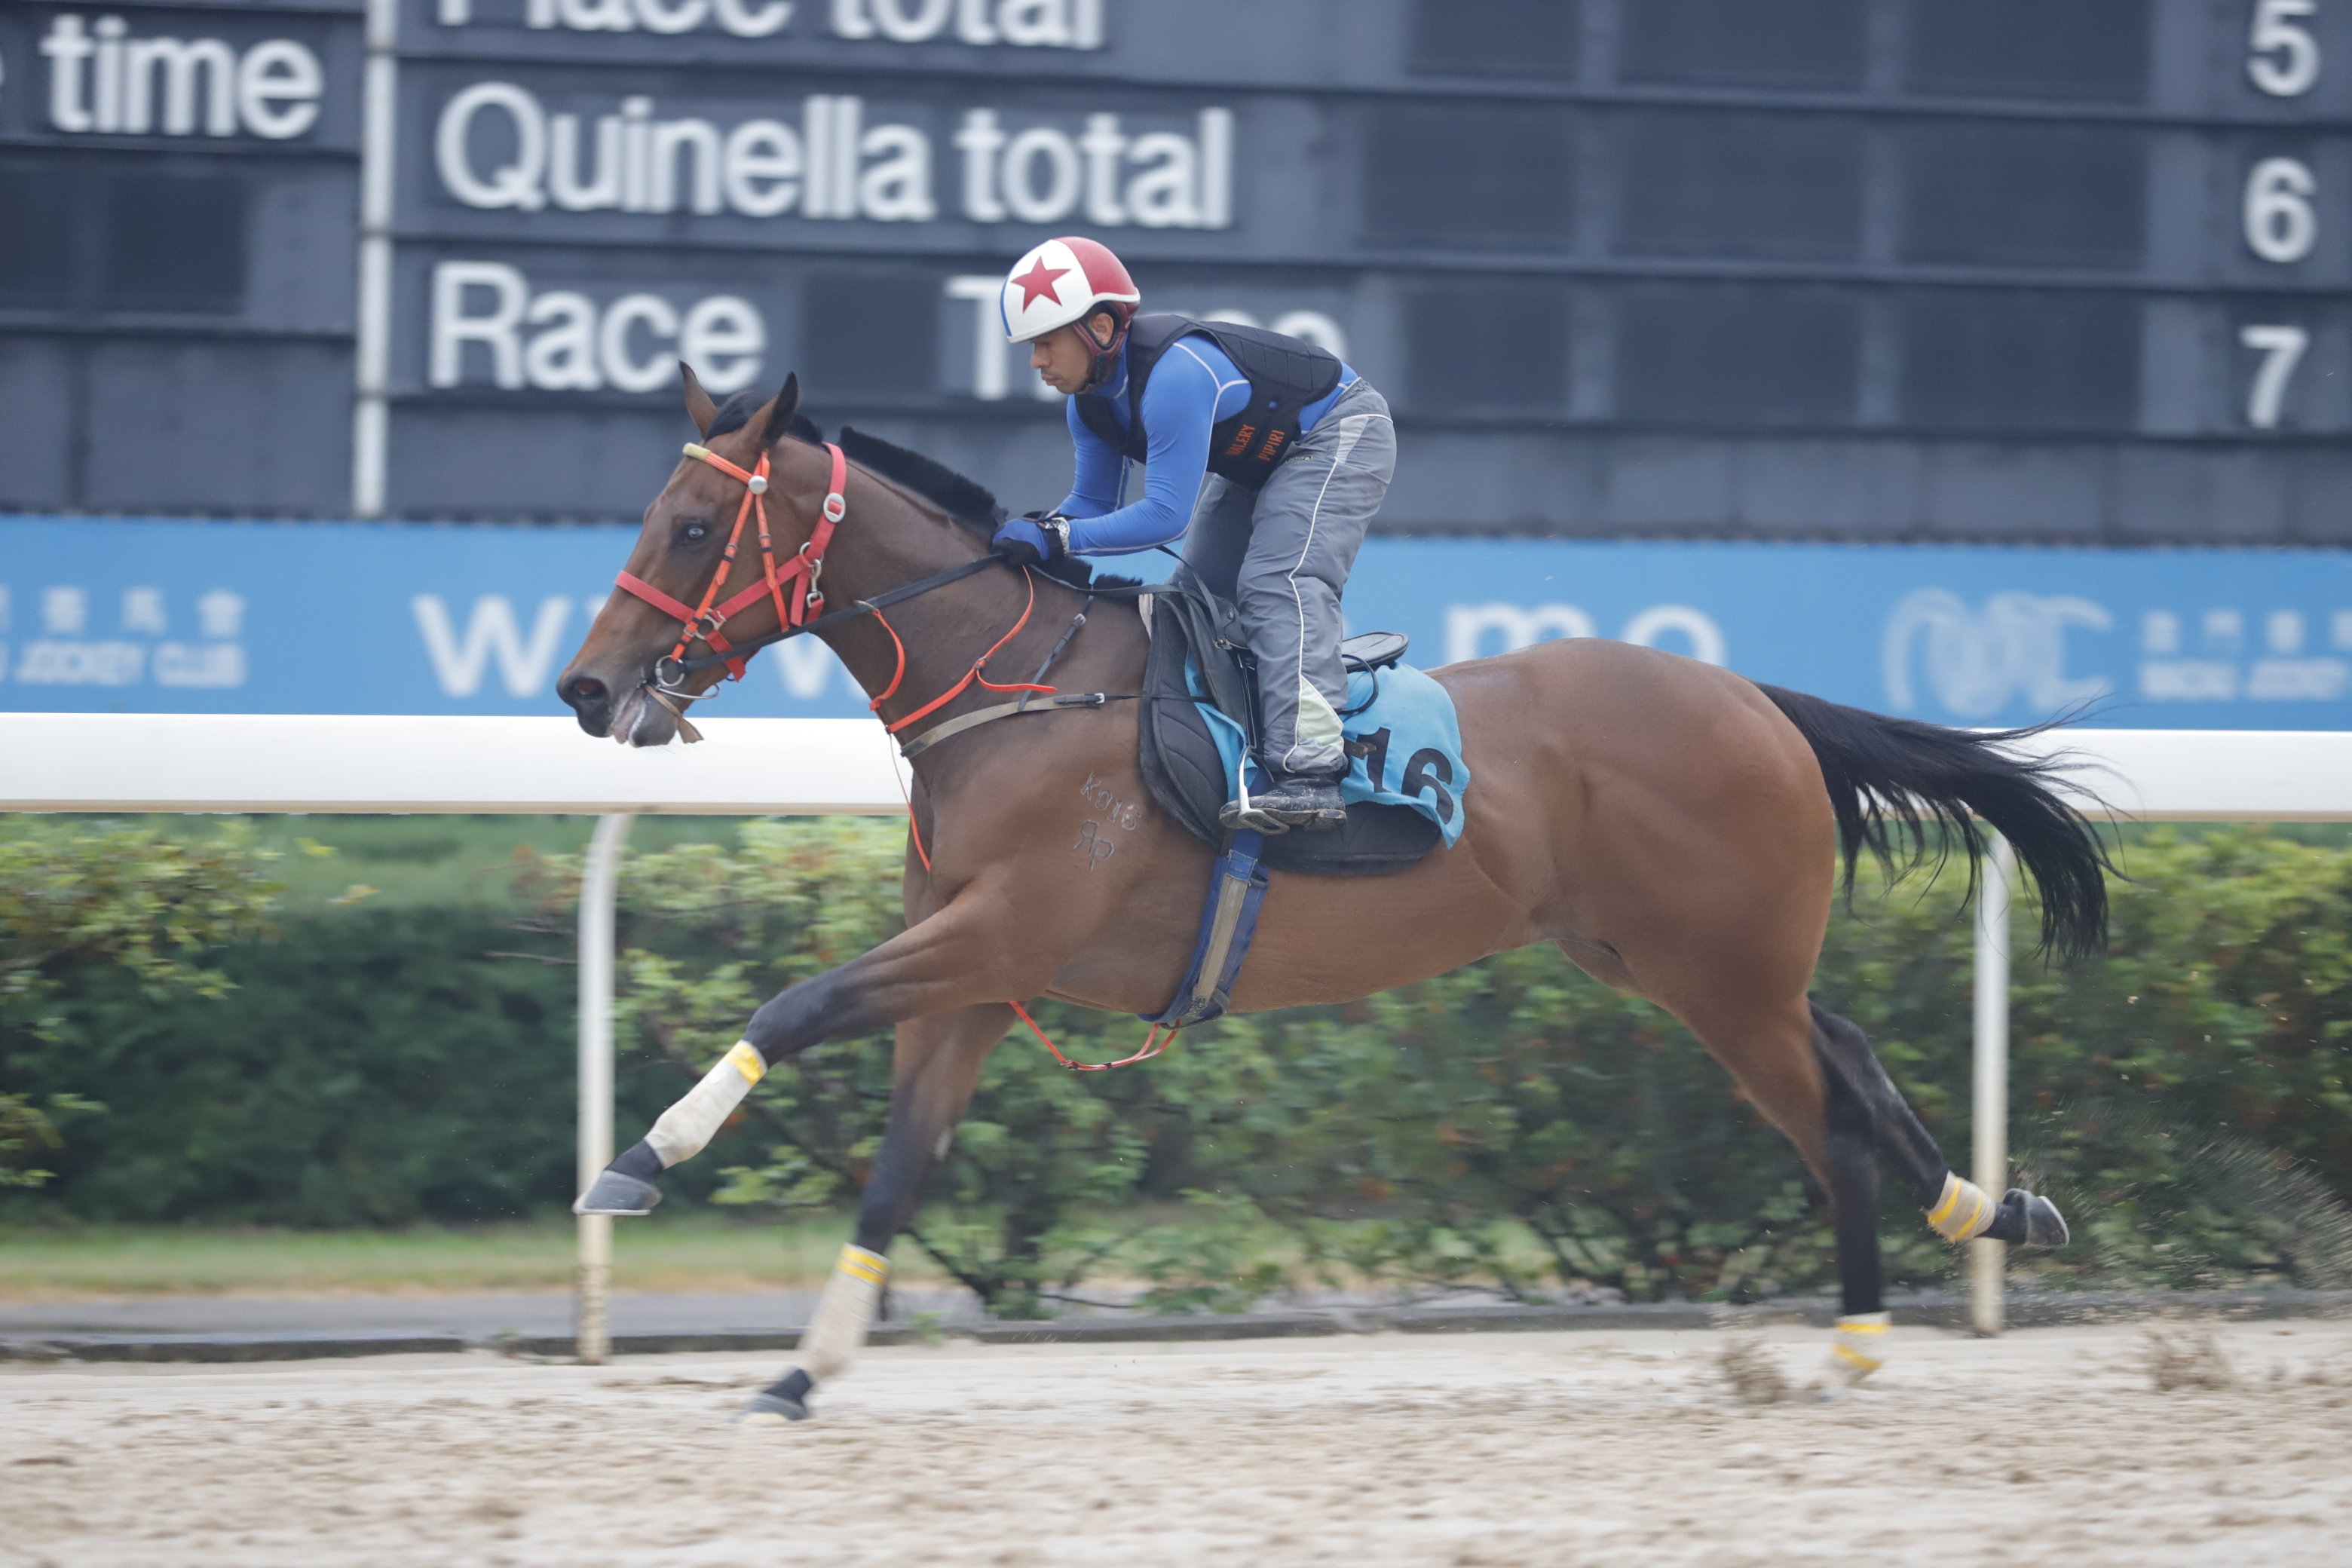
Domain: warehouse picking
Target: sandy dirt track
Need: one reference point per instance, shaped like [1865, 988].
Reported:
[2049, 1447]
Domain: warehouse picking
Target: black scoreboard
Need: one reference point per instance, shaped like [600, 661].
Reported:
[1902, 269]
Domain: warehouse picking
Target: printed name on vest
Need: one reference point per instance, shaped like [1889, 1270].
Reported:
[1273, 440]
[1242, 438]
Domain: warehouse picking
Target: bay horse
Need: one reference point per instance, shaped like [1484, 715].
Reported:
[1673, 827]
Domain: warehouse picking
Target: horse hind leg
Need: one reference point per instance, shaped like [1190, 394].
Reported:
[1957, 1208]
[1776, 1054]
[1850, 1170]
[1813, 1073]
[1869, 1124]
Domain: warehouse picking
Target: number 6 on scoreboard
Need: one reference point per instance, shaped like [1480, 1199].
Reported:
[2281, 348]
[2281, 225]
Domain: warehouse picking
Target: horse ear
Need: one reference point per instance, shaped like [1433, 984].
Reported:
[699, 407]
[776, 419]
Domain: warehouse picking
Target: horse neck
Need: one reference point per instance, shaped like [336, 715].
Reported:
[885, 541]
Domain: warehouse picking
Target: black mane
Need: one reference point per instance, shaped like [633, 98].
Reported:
[961, 498]
[737, 411]
[966, 501]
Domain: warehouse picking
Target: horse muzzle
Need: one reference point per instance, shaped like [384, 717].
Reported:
[637, 717]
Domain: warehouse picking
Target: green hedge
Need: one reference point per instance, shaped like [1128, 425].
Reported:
[1514, 1125]
[332, 1062]
[1519, 1125]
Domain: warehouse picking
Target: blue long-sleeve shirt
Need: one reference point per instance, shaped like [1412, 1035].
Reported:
[1193, 387]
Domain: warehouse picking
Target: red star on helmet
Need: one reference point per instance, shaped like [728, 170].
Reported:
[1037, 280]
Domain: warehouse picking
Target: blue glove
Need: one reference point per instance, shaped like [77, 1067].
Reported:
[1027, 541]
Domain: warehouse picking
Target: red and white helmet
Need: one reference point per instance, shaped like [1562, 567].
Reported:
[1064, 280]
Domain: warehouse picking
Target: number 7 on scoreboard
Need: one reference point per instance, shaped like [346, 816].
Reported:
[2281, 348]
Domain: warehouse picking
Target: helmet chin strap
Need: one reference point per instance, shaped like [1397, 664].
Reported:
[1104, 357]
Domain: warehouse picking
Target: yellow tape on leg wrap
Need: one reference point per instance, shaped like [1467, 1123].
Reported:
[860, 1264]
[844, 1313]
[1854, 1345]
[1963, 1212]
[685, 1128]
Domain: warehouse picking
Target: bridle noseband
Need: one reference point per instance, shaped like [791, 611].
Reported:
[794, 612]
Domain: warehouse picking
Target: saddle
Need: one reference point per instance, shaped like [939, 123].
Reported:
[1199, 658]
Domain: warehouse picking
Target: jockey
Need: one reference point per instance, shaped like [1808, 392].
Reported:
[1271, 451]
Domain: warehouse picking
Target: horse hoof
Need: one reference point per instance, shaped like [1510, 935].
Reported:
[2045, 1226]
[618, 1193]
[772, 1410]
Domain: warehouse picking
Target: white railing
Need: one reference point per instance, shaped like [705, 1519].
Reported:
[748, 767]
[312, 762]
[337, 763]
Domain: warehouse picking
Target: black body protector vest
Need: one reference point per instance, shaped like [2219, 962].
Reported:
[1284, 376]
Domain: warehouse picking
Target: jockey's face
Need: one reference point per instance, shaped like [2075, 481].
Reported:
[1062, 359]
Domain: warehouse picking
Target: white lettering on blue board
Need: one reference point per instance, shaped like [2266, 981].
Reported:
[1477, 631]
[460, 662]
[1976, 662]
[66, 654]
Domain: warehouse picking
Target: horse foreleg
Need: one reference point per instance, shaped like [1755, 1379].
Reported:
[937, 1063]
[958, 957]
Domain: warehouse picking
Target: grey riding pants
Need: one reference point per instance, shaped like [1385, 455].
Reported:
[1282, 554]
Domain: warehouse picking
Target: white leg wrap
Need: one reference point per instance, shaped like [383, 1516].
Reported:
[693, 1120]
[1963, 1212]
[1857, 1349]
[844, 1313]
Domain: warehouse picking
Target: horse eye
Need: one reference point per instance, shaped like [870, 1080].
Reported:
[694, 532]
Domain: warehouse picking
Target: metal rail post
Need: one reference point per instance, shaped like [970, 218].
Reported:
[1988, 1258]
[372, 357]
[592, 1325]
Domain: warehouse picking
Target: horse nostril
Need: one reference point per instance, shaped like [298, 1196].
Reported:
[582, 690]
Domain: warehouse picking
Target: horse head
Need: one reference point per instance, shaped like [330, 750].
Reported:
[612, 683]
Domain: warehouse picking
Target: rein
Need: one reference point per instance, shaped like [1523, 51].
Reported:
[745, 650]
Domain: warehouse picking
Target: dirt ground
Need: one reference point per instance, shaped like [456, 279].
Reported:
[2048, 1446]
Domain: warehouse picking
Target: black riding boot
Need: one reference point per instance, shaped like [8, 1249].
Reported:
[1308, 801]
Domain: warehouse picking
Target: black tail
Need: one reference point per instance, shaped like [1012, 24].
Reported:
[1887, 776]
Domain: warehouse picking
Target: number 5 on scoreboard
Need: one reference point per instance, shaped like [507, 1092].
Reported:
[2282, 57]
[2282, 350]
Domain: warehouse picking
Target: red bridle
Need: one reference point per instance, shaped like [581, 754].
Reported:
[703, 622]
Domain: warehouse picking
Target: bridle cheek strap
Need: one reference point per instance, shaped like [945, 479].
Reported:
[803, 573]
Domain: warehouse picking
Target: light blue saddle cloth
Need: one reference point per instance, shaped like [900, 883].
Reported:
[1405, 746]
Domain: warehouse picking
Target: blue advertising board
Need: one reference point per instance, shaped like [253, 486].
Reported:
[244, 618]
